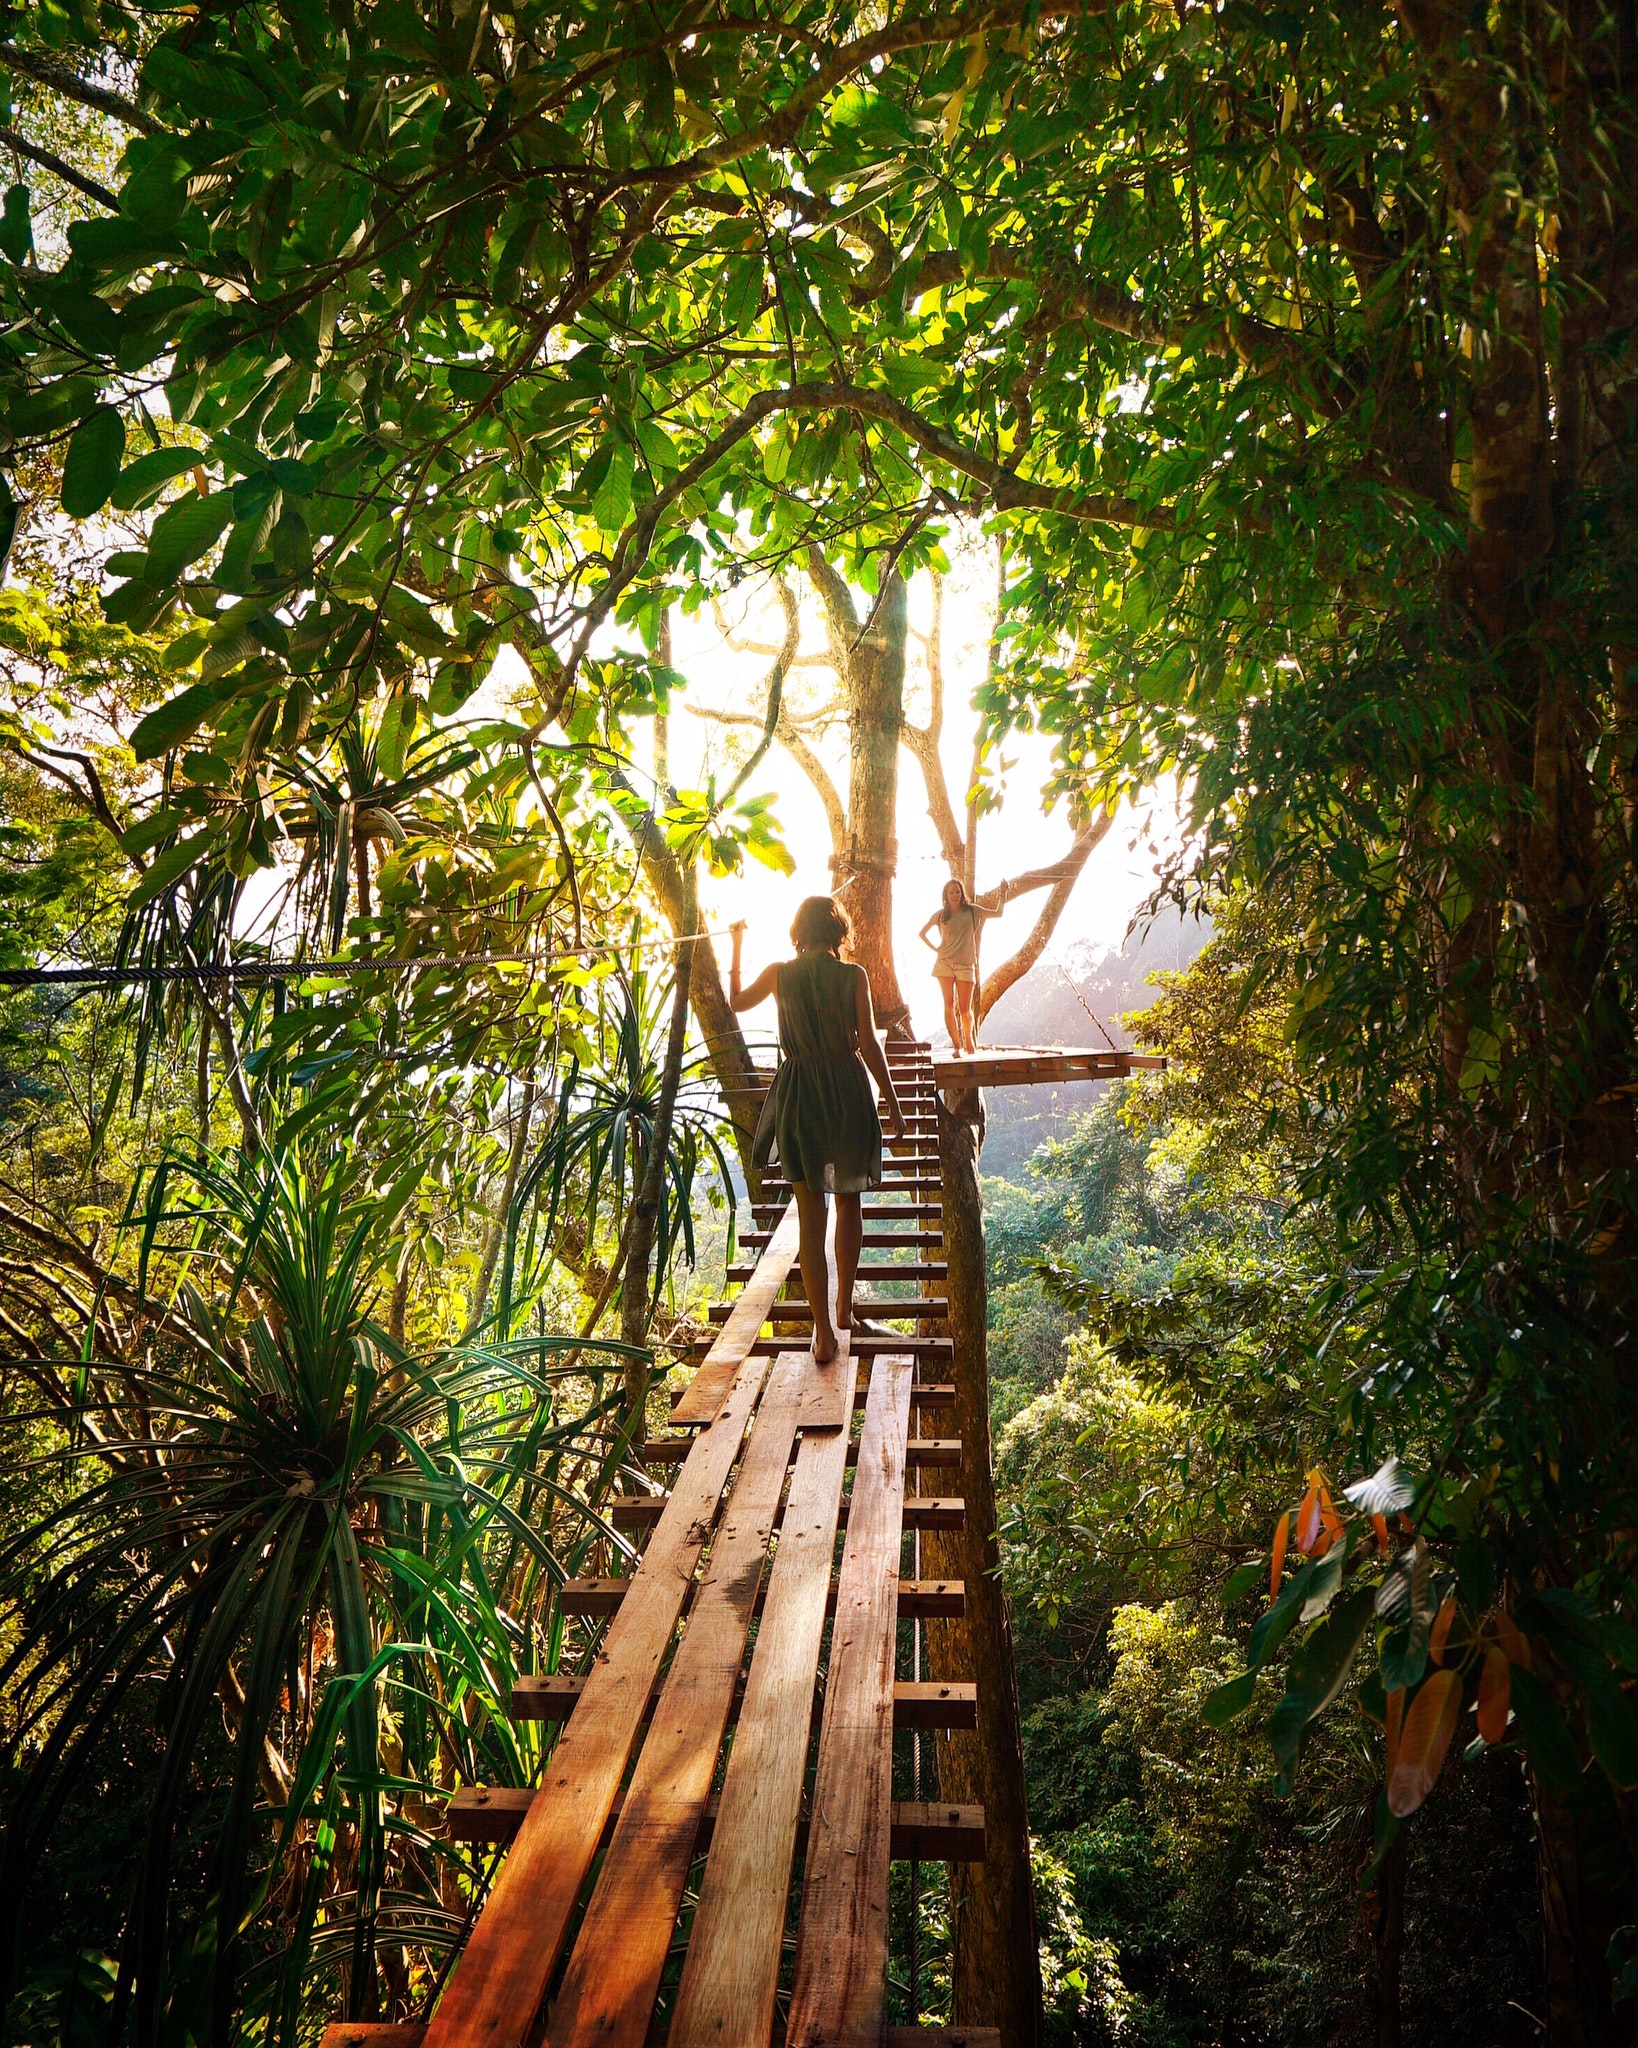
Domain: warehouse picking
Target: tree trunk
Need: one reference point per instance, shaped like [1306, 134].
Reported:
[869, 658]
[1578, 1914]
[875, 719]
[996, 1967]
[646, 1207]
[1389, 1939]
[725, 1044]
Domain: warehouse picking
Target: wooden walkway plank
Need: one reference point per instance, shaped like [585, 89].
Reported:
[608, 1991]
[495, 1994]
[705, 1392]
[838, 1995]
[827, 1401]
[731, 1972]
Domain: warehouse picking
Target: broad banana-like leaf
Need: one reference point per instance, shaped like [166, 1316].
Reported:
[1424, 1741]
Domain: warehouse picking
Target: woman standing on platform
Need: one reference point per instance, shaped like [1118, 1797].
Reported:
[820, 1117]
[959, 922]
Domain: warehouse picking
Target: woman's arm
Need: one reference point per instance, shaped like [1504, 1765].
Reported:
[870, 1049]
[759, 991]
[926, 928]
[994, 903]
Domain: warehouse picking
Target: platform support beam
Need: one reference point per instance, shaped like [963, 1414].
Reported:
[996, 1965]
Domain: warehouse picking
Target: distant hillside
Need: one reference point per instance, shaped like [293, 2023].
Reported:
[1049, 1007]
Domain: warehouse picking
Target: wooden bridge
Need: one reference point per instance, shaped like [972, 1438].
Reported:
[705, 1859]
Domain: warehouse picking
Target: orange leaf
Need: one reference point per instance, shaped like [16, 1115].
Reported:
[1423, 1742]
[1495, 1695]
[1395, 1722]
[1512, 1640]
[1276, 1563]
[1308, 1516]
[1439, 1634]
[1380, 1524]
[1330, 1520]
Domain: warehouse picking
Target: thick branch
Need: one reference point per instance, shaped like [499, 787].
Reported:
[1007, 491]
[28, 64]
[1061, 878]
[58, 169]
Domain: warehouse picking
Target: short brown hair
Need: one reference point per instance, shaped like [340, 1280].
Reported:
[821, 921]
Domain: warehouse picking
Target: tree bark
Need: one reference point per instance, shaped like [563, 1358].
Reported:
[1389, 1939]
[725, 1044]
[996, 1966]
[869, 658]
[1578, 1915]
[645, 1213]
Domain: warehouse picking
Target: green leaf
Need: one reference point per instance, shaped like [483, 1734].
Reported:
[612, 505]
[174, 722]
[16, 229]
[185, 531]
[91, 467]
[8, 523]
[1612, 1729]
[1246, 1579]
[1225, 1701]
[1551, 1746]
[141, 482]
[170, 867]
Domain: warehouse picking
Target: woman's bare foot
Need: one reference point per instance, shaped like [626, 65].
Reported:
[844, 1314]
[825, 1347]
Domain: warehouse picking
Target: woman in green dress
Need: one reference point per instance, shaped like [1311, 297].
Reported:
[820, 1116]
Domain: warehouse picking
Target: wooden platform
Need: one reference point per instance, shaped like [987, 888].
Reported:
[710, 1795]
[1018, 1066]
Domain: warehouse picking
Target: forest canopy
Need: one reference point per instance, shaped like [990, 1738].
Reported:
[354, 356]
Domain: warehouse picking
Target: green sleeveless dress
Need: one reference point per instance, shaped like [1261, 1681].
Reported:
[820, 1115]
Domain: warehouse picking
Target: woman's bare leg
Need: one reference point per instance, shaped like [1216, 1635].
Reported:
[810, 1216]
[849, 1236]
[964, 993]
[952, 1022]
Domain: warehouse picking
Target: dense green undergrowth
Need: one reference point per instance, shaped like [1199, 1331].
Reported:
[1220, 1909]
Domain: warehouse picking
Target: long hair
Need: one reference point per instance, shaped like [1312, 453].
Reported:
[820, 921]
[945, 913]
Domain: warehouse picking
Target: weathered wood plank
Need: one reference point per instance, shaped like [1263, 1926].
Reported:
[1016, 1066]
[494, 1997]
[917, 1703]
[608, 1990]
[929, 1833]
[374, 2034]
[731, 1972]
[941, 1598]
[704, 1394]
[841, 1952]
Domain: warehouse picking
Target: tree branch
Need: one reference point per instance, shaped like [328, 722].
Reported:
[72, 87]
[58, 169]
[1061, 878]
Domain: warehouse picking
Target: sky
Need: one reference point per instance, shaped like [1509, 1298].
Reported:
[1117, 879]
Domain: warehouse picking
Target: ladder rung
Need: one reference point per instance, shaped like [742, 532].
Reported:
[919, 1599]
[916, 1703]
[922, 1830]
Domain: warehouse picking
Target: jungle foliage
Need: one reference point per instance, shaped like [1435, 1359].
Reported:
[1291, 355]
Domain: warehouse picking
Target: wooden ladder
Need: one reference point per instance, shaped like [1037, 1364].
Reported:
[719, 1781]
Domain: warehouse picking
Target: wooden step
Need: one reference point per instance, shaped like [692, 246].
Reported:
[876, 1203]
[919, 1599]
[919, 1452]
[924, 1269]
[916, 1703]
[922, 1830]
[872, 1240]
[923, 1308]
[921, 1511]
[862, 1346]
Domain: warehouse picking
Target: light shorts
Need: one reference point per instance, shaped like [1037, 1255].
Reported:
[953, 974]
